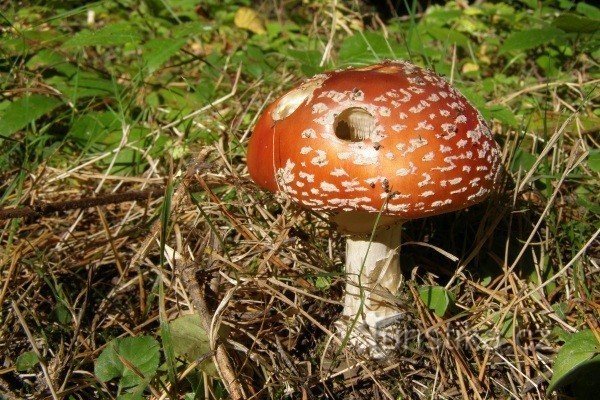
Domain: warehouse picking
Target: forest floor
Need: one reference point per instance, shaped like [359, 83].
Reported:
[191, 282]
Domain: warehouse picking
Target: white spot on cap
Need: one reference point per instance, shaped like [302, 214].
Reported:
[309, 177]
[461, 119]
[416, 90]
[414, 145]
[339, 172]
[366, 156]
[398, 207]
[319, 108]
[320, 159]
[439, 203]
[482, 192]
[326, 119]
[354, 185]
[427, 193]
[285, 175]
[445, 149]
[433, 97]
[426, 180]
[329, 187]
[407, 96]
[405, 171]
[309, 134]
[428, 157]
[457, 191]
[398, 127]
[419, 108]
[305, 150]
[424, 125]
[474, 135]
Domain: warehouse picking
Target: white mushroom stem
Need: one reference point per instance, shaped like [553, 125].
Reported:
[373, 277]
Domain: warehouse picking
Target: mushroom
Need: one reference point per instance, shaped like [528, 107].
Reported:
[373, 147]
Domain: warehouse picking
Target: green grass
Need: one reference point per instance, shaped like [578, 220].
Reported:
[121, 95]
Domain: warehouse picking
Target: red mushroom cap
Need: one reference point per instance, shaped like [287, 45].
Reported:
[391, 138]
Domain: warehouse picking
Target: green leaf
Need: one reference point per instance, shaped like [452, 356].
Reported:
[503, 114]
[576, 362]
[83, 84]
[448, 36]
[309, 59]
[323, 282]
[26, 361]
[529, 39]
[437, 298]
[588, 10]
[24, 111]
[368, 47]
[570, 22]
[156, 52]
[189, 29]
[91, 130]
[522, 160]
[141, 353]
[191, 341]
[111, 35]
[593, 160]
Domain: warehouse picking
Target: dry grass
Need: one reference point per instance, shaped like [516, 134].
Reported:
[75, 280]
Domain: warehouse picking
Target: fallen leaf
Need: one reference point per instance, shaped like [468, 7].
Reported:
[247, 18]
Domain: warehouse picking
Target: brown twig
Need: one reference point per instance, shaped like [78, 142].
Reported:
[41, 209]
[186, 271]
[187, 275]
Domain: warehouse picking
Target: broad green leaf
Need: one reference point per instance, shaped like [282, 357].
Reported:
[156, 52]
[91, 130]
[593, 160]
[368, 47]
[191, 341]
[440, 16]
[24, 111]
[26, 361]
[309, 59]
[189, 29]
[51, 59]
[503, 114]
[142, 353]
[577, 363]
[588, 10]
[569, 22]
[111, 35]
[529, 39]
[448, 36]
[437, 298]
[522, 160]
